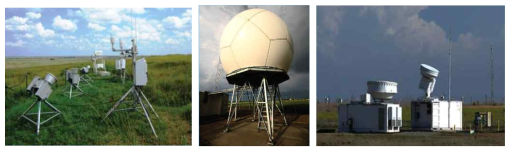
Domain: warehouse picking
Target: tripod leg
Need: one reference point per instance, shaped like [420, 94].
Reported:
[32, 105]
[71, 89]
[238, 98]
[230, 110]
[146, 114]
[150, 105]
[38, 116]
[79, 89]
[51, 106]
[64, 90]
[281, 104]
[89, 78]
[85, 80]
[118, 103]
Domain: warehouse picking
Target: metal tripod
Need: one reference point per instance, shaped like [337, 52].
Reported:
[86, 79]
[263, 107]
[71, 93]
[137, 93]
[38, 122]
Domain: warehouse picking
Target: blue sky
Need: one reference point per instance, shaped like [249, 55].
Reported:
[81, 31]
[356, 44]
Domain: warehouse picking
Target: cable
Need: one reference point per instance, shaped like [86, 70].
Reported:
[11, 87]
[82, 104]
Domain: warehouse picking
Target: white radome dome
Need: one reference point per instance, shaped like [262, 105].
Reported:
[256, 38]
[383, 90]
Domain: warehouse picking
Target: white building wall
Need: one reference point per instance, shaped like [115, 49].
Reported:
[441, 117]
[367, 117]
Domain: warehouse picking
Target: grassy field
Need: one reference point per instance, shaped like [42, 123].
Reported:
[168, 89]
[24, 62]
[411, 139]
[327, 125]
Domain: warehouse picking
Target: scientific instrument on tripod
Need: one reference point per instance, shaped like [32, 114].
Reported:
[140, 78]
[41, 88]
[73, 79]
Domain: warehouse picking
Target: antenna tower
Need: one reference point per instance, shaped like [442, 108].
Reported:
[492, 74]
[450, 76]
[219, 72]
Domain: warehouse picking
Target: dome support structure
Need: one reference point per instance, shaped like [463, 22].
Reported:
[264, 99]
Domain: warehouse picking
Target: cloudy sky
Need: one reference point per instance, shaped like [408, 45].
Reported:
[357, 44]
[74, 31]
[212, 22]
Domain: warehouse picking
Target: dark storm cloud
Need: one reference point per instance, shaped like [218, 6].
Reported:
[357, 44]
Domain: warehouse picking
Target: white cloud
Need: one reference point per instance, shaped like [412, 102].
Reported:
[28, 35]
[18, 43]
[408, 30]
[16, 20]
[103, 15]
[178, 22]
[110, 15]
[72, 13]
[469, 42]
[333, 20]
[393, 18]
[171, 41]
[146, 30]
[41, 31]
[33, 15]
[17, 23]
[120, 33]
[70, 37]
[183, 34]
[187, 13]
[96, 27]
[22, 27]
[64, 24]
[115, 28]
[137, 10]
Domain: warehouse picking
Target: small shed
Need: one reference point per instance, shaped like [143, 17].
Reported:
[213, 103]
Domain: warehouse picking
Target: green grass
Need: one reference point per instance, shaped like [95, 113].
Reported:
[23, 62]
[168, 89]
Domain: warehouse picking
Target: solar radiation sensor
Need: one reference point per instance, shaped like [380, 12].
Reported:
[41, 88]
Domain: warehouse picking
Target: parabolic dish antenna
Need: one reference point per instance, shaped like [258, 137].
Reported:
[428, 71]
[427, 82]
[256, 43]
[382, 90]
